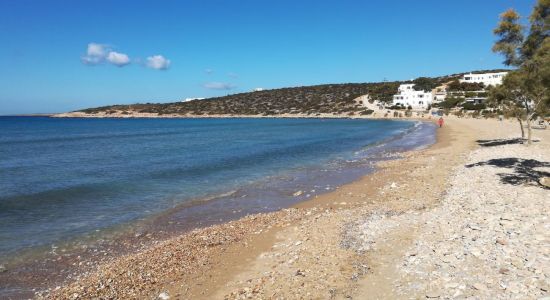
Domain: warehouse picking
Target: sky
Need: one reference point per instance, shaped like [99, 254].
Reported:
[58, 56]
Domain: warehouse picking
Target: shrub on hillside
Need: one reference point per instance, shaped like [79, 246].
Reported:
[472, 106]
[451, 102]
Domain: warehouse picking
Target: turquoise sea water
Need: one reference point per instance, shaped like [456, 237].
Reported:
[64, 178]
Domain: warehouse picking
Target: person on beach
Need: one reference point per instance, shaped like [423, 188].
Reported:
[440, 122]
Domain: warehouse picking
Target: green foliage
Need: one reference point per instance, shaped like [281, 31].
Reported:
[510, 34]
[506, 99]
[483, 94]
[535, 77]
[539, 30]
[366, 112]
[470, 94]
[457, 86]
[330, 98]
[473, 106]
[425, 83]
[451, 102]
[525, 91]
[512, 44]
[313, 100]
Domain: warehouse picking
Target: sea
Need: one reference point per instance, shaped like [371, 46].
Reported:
[68, 180]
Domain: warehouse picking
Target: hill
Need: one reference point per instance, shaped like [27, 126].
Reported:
[309, 100]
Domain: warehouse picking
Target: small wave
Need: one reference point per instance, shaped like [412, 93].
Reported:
[401, 136]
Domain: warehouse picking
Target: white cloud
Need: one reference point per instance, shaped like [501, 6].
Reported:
[118, 59]
[96, 49]
[233, 75]
[219, 86]
[95, 54]
[158, 62]
[100, 53]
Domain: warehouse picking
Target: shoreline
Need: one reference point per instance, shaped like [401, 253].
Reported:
[358, 194]
[132, 239]
[368, 251]
[311, 249]
[377, 114]
[257, 235]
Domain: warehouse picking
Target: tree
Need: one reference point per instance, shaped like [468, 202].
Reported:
[456, 86]
[511, 38]
[536, 82]
[424, 84]
[540, 27]
[509, 101]
[524, 92]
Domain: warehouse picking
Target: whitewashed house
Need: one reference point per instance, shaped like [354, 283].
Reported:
[191, 99]
[408, 96]
[439, 94]
[486, 78]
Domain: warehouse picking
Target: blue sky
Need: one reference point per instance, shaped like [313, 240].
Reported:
[64, 55]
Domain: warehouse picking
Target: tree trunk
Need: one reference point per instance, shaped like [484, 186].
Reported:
[522, 130]
[529, 142]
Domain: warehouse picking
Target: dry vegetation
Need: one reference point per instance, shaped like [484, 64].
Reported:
[312, 100]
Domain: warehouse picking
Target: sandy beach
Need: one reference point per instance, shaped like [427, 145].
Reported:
[440, 223]
[275, 150]
[377, 114]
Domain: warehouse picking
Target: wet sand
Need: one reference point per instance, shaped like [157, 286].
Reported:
[236, 242]
[302, 252]
[64, 262]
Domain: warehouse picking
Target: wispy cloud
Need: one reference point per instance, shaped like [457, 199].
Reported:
[208, 71]
[158, 62]
[233, 75]
[219, 86]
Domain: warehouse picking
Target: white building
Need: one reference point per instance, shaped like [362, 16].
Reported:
[408, 96]
[439, 93]
[486, 78]
[191, 99]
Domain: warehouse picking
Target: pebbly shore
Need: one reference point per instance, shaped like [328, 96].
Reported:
[453, 221]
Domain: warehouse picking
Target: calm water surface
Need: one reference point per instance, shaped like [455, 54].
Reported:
[65, 178]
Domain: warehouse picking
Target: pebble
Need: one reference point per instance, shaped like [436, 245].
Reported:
[479, 286]
[502, 242]
[489, 234]
[461, 239]
[433, 294]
